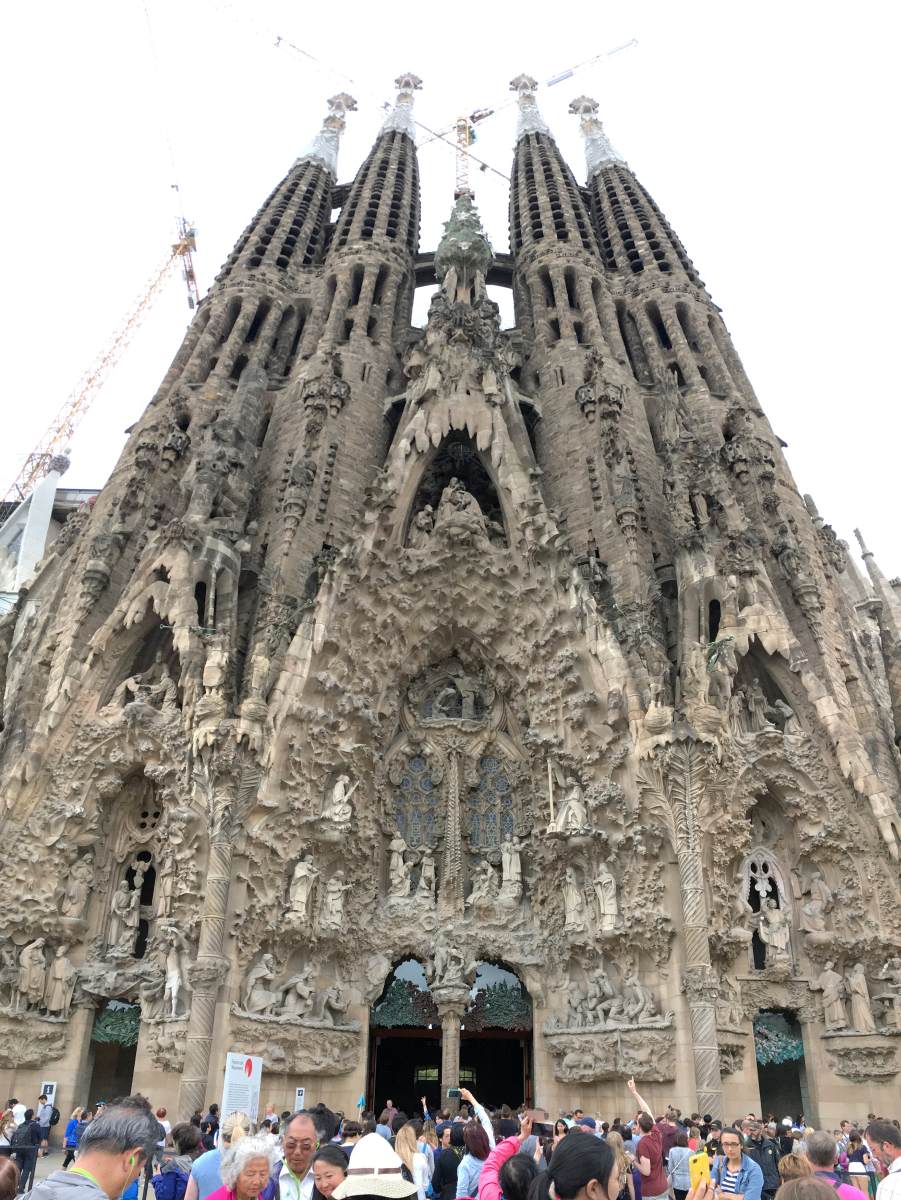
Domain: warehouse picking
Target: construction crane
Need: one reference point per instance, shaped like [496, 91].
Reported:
[59, 433]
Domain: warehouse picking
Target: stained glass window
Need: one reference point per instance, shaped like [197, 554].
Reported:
[416, 803]
[490, 815]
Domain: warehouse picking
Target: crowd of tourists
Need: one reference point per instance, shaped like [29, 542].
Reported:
[317, 1154]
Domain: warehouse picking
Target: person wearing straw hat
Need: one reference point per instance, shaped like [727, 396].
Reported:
[375, 1171]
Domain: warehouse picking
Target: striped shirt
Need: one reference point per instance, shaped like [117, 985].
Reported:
[728, 1180]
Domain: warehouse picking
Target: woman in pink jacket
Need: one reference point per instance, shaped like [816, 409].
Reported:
[508, 1173]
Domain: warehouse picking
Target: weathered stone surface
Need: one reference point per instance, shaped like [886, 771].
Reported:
[458, 644]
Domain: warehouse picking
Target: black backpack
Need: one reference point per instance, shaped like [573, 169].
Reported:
[21, 1135]
[54, 1117]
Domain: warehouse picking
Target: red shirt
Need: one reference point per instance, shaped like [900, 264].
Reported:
[650, 1146]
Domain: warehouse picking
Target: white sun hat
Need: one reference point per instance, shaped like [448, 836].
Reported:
[375, 1170]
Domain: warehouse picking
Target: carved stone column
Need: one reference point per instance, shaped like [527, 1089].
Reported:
[225, 788]
[450, 896]
[451, 1003]
[672, 785]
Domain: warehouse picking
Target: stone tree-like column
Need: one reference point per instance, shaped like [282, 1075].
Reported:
[672, 786]
[451, 1002]
[226, 784]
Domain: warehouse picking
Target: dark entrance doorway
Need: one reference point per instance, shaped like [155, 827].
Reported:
[114, 1042]
[405, 1041]
[496, 1067]
[405, 1064]
[781, 1075]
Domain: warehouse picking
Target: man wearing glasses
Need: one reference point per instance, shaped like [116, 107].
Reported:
[295, 1179]
[884, 1139]
[734, 1174]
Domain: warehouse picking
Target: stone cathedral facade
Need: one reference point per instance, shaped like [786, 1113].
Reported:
[454, 646]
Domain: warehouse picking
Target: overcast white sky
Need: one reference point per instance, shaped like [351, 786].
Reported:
[767, 132]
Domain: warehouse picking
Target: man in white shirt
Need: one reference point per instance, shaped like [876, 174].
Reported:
[884, 1139]
[301, 1141]
[18, 1110]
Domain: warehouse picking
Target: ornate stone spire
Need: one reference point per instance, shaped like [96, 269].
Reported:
[598, 150]
[324, 146]
[530, 119]
[463, 250]
[400, 118]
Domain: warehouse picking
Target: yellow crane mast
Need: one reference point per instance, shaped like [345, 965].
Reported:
[61, 429]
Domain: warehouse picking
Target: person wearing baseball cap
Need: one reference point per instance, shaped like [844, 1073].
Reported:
[374, 1170]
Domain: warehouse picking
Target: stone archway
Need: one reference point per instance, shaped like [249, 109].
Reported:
[427, 1036]
[404, 1042]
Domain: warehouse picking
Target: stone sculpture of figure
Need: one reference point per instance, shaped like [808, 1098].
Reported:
[60, 984]
[722, 674]
[32, 976]
[816, 904]
[600, 990]
[421, 528]
[831, 984]
[775, 933]
[151, 991]
[739, 720]
[335, 1003]
[78, 888]
[859, 994]
[605, 896]
[448, 965]
[785, 714]
[425, 889]
[693, 673]
[484, 883]
[333, 901]
[757, 706]
[511, 865]
[176, 969]
[641, 1005]
[9, 975]
[573, 902]
[398, 873]
[340, 809]
[891, 973]
[447, 703]
[302, 882]
[259, 997]
[124, 918]
[573, 814]
[788, 553]
[298, 992]
[731, 1013]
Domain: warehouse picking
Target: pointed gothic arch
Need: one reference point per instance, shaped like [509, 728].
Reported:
[457, 456]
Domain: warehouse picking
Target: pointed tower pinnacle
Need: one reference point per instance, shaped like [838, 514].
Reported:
[400, 118]
[464, 250]
[530, 119]
[598, 150]
[324, 146]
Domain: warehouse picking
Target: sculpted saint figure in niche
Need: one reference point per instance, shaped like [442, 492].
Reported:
[573, 902]
[605, 896]
[302, 881]
[831, 984]
[32, 976]
[573, 814]
[816, 904]
[859, 994]
[774, 932]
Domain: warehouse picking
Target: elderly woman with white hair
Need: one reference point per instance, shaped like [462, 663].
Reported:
[246, 1168]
